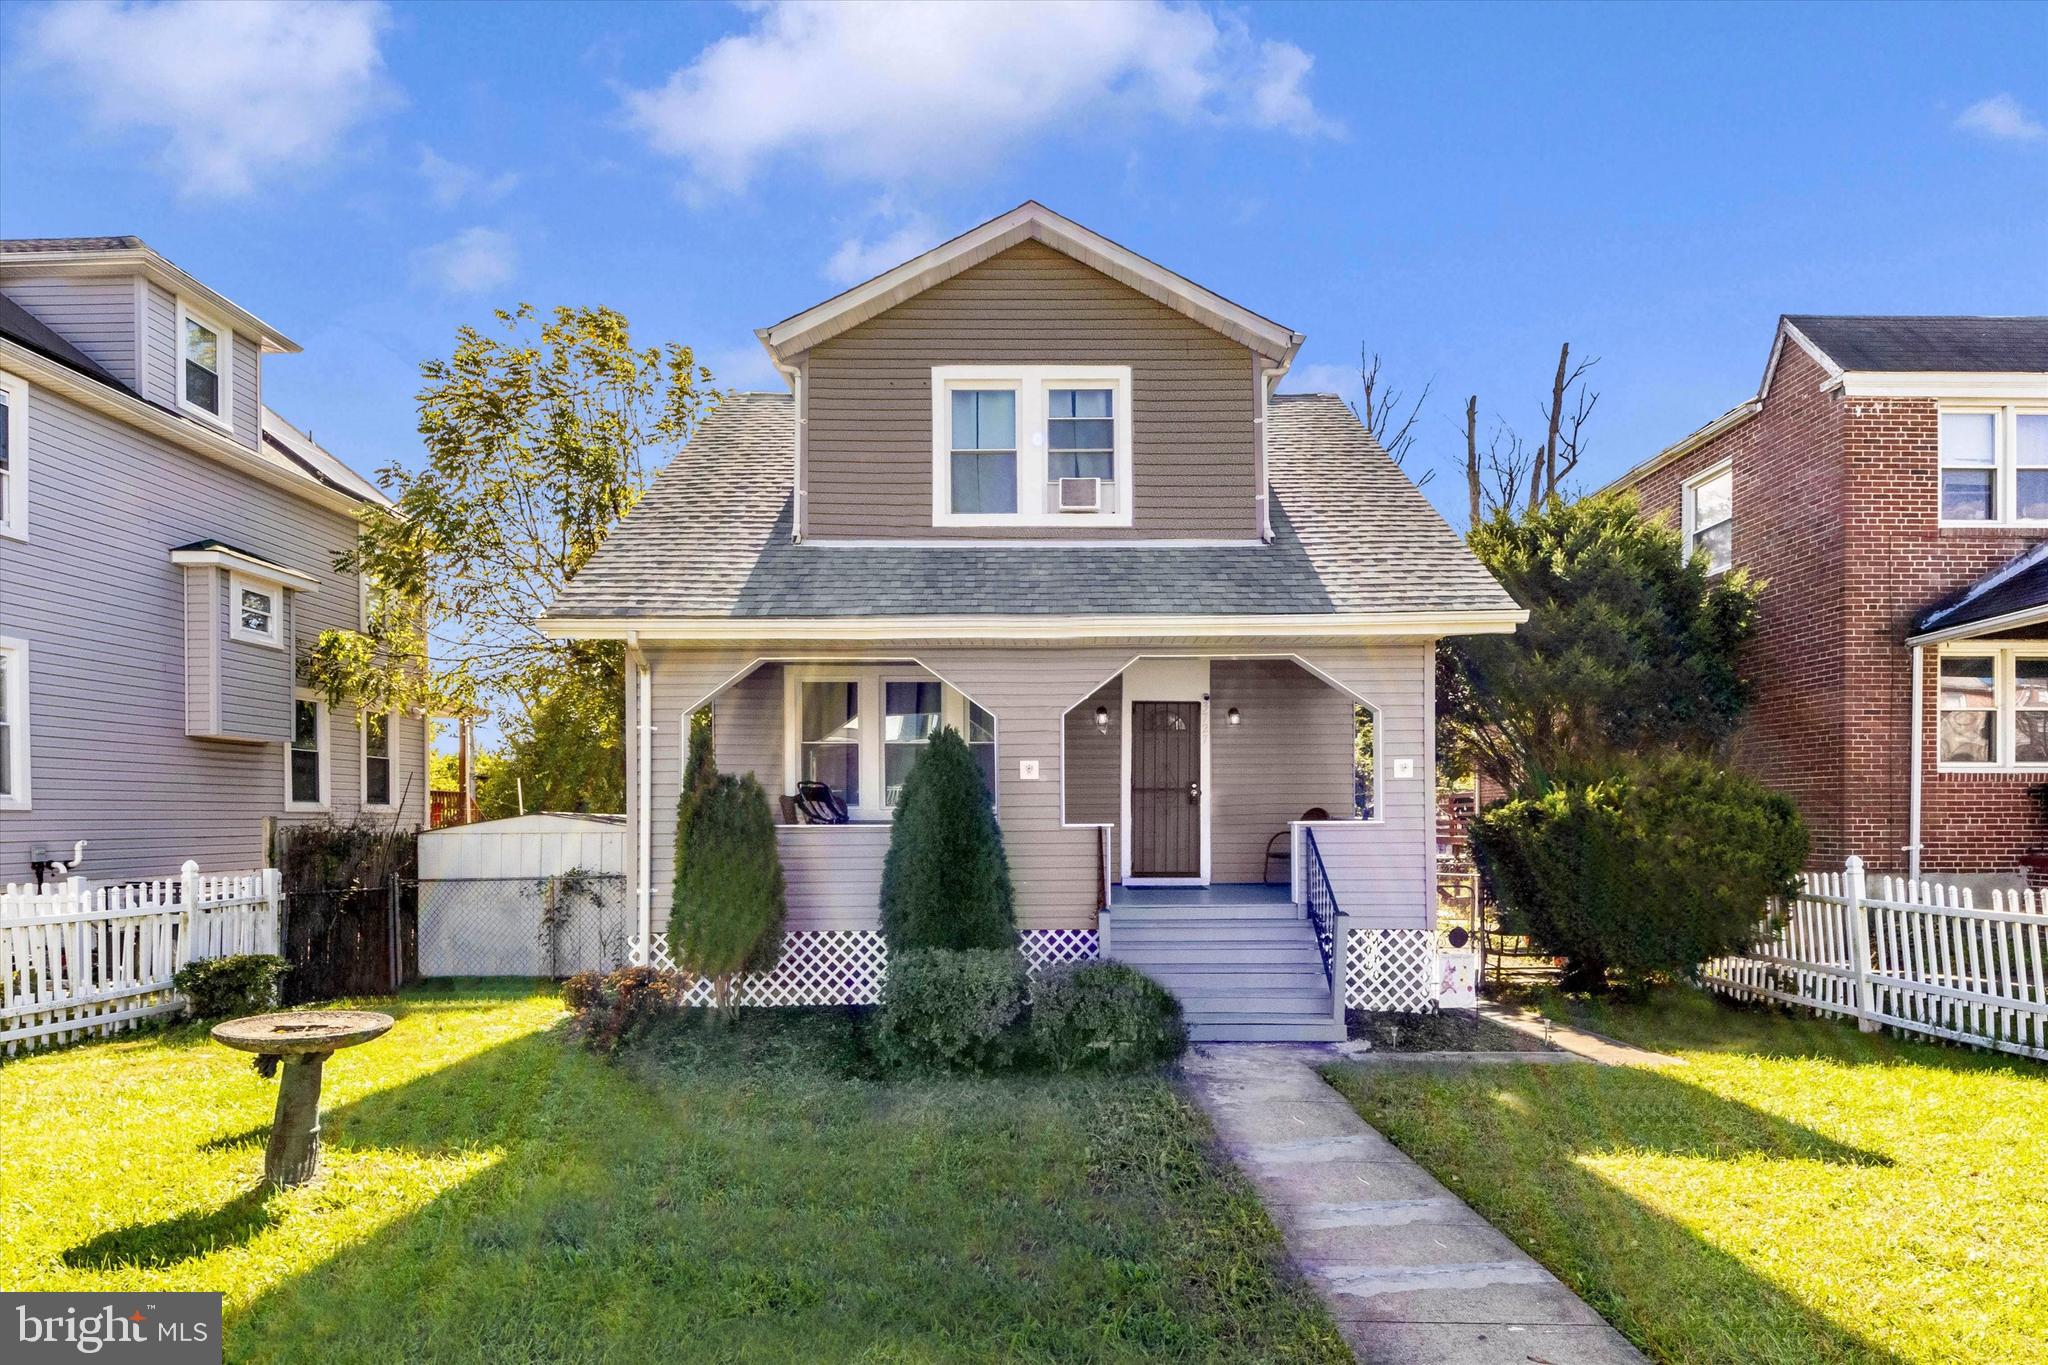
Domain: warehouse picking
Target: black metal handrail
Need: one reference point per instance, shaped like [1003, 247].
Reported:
[1321, 903]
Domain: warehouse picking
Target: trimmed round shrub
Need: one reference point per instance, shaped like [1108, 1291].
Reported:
[1643, 873]
[229, 987]
[947, 1009]
[1104, 1016]
[946, 880]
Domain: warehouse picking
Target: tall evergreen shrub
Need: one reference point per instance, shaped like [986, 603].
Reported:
[700, 771]
[946, 882]
[729, 904]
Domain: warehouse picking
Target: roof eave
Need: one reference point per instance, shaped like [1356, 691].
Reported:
[145, 261]
[1029, 221]
[679, 629]
[1990, 625]
[1727, 421]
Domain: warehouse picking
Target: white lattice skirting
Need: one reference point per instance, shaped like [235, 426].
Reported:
[846, 966]
[1391, 969]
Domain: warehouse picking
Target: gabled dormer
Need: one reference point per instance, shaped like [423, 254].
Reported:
[1030, 380]
[150, 326]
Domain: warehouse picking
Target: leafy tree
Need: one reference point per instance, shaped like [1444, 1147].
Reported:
[1629, 648]
[946, 881]
[1645, 871]
[539, 437]
[728, 902]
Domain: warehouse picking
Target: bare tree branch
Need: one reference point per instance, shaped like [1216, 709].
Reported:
[1393, 429]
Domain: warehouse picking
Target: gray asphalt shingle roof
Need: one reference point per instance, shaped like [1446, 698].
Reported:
[711, 539]
[1905, 344]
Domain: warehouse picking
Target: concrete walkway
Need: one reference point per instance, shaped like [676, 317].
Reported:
[1409, 1272]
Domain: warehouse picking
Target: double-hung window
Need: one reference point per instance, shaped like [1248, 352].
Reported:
[13, 724]
[377, 765]
[1993, 707]
[306, 766]
[255, 612]
[13, 457]
[1994, 464]
[206, 352]
[1031, 445]
[860, 729]
[1710, 517]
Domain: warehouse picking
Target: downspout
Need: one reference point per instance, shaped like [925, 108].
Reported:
[1269, 380]
[800, 493]
[1913, 790]
[643, 757]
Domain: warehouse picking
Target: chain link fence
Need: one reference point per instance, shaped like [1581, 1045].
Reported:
[523, 926]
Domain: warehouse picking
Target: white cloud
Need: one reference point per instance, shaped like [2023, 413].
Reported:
[238, 93]
[879, 89]
[1337, 379]
[862, 257]
[472, 261]
[2001, 117]
[451, 182]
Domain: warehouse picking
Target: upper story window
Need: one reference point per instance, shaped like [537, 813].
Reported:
[13, 724]
[255, 612]
[205, 365]
[13, 457]
[1710, 517]
[1031, 445]
[1994, 464]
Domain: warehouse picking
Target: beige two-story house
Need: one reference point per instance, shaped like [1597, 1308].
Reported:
[1036, 487]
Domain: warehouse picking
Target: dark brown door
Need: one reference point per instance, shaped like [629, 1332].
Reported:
[1166, 789]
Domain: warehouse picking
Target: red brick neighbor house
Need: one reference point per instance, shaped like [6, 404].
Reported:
[1889, 483]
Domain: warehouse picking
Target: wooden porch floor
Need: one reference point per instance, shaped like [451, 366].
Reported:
[1220, 893]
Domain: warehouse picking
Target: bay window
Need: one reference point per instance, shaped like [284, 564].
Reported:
[1994, 464]
[860, 729]
[254, 612]
[1031, 445]
[1992, 707]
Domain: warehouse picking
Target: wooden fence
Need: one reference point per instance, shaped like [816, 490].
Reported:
[1917, 956]
[77, 959]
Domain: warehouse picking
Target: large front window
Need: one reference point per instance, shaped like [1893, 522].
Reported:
[1993, 707]
[861, 728]
[1994, 464]
[1031, 445]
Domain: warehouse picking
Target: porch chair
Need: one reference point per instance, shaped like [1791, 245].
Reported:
[818, 804]
[1280, 849]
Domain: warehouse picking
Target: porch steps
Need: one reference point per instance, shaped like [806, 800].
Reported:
[1246, 972]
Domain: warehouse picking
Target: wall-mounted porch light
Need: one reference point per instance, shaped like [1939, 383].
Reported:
[1102, 719]
[1234, 718]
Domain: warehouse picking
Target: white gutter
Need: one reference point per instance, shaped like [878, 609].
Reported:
[1913, 790]
[644, 760]
[1990, 625]
[1497, 621]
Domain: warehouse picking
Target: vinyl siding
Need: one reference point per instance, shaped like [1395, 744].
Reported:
[868, 451]
[1094, 759]
[203, 588]
[1387, 865]
[160, 367]
[746, 729]
[1291, 750]
[95, 315]
[255, 681]
[104, 610]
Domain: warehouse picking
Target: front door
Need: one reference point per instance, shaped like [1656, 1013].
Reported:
[1166, 789]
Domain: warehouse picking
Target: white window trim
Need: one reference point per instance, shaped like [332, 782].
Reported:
[869, 706]
[14, 512]
[2005, 480]
[17, 652]
[326, 754]
[1031, 384]
[363, 759]
[224, 419]
[2005, 688]
[1689, 518]
[274, 638]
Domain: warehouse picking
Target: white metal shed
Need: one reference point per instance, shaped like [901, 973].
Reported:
[530, 895]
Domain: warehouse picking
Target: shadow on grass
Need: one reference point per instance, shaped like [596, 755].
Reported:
[171, 1240]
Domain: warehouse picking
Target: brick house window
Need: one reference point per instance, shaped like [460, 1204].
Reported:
[1994, 464]
[1710, 517]
[1993, 706]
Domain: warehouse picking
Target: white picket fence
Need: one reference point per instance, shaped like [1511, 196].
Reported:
[78, 959]
[1915, 955]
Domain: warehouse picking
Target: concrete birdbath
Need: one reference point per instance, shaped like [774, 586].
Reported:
[302, 1040]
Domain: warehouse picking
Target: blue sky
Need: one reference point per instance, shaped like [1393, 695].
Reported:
[1460, 187]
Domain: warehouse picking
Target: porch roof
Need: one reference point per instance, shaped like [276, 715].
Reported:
[2009, 597]
[711, 540]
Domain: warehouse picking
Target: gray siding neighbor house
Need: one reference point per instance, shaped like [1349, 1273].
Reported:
[167, 548]
[1037, 488]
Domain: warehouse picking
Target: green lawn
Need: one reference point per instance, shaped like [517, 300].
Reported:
[1797, 1192]
[492, 1192]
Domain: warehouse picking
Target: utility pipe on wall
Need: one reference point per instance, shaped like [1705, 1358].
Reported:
[1913, 789]
[643, 761]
